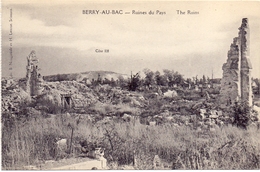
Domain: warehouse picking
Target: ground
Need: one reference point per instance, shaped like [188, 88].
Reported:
[132, 126]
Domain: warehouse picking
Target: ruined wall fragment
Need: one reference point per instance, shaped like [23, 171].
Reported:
[33, 77]
[236, 80]
[246, 86]
[230, 81]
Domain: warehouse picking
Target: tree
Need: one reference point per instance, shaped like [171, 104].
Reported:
[99, 79]
[189, 81]
[169, 75]
[113, 82]
[149, 78]
[208, 80]
[178, 78]
[196, 80]
[159, 79]
[203, 79]
[134, 82]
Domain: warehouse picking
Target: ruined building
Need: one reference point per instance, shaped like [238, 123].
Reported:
[236, 80]
[33, 77]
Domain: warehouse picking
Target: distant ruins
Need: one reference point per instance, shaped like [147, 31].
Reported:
[33, 77]
[236, 80]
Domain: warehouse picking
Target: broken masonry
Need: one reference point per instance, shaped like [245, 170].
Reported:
[236, 80]
[33, 77]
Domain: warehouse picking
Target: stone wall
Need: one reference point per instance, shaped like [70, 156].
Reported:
[246, 86]
[33, 77]
[230, 80]
[236, 80]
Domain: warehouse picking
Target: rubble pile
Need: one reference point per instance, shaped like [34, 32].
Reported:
[107, 94]
[13, 97]
[81, 96]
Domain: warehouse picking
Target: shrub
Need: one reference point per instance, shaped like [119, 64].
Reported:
[241, 114]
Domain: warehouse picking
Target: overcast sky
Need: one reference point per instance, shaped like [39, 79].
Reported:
[65, 40]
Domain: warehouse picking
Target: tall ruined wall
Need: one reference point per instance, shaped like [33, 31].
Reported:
[33, 77]
[236, 80]
[231, 76]
[246, 86]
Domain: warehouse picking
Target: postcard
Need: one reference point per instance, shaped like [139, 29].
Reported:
[135, 85]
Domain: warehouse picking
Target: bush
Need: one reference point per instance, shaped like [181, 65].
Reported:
[241, 114]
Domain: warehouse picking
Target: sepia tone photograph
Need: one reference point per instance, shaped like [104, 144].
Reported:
[130, 85]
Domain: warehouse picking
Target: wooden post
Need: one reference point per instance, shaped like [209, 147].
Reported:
[72, 130]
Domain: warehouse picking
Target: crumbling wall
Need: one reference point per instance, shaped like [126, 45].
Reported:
[230, 81]
[236, 80]
[246, 86]
[33, 77]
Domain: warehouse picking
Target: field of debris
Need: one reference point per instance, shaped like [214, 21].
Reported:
[132, 119]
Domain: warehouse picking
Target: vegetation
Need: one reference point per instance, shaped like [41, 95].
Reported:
[241, 112]
[33, 141]
[134, 82]
[152, 80]
[30, 134]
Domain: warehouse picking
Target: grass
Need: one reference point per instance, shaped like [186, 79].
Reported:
[33, 141]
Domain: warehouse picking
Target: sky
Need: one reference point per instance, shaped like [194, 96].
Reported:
[66, 40]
